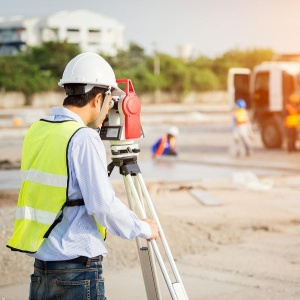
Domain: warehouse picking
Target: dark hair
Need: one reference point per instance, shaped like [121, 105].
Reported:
[82, 100]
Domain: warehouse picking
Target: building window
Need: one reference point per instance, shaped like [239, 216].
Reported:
[73, 35]
[261, 89]
[94, 36]
[49, 34]
[8, 35]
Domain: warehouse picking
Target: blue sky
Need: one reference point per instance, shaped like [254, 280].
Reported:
[212, 27]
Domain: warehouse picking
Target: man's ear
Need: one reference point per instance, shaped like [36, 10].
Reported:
[96, 100]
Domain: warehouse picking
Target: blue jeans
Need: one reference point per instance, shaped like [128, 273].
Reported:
[67, 280]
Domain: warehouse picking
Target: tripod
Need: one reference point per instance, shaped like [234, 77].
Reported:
[124, 156]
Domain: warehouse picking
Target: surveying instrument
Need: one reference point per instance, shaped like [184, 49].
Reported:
[121, 126]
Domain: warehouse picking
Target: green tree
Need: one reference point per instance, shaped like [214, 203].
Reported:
[238, 58]
[133, 64]
[52, 57]
[40, 68]
[173, 74]
[143, 80]
[202, 77]
[17, 74]
[127, 59]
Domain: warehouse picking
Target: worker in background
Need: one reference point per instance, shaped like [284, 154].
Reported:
[166, 145]
[291, 113]
[241, 130]
[66, 200]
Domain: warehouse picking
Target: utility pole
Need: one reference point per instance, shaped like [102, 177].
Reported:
[156, 72]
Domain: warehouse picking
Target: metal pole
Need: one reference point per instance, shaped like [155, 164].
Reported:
[162, 235]
[180, 293]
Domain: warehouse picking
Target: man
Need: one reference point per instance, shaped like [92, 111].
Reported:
[166, 144]
[241, 129]
[66, 199]
[291, 114]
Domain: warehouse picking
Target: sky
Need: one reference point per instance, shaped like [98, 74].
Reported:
[210, 27]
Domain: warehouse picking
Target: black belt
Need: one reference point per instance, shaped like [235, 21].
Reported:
[85, 259]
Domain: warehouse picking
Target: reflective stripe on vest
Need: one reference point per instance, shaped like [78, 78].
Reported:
[44, 183]
[44, 178]
[162, 146]
[36, 215]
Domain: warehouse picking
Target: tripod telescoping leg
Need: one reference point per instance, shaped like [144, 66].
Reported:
[135, 192]
[146, 256]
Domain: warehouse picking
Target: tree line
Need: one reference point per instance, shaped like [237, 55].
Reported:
[38, 69]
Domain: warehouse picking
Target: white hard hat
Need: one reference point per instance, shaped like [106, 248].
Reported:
[173, 130]
[90, 69]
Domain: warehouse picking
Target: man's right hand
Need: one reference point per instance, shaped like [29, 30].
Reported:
[154, 229]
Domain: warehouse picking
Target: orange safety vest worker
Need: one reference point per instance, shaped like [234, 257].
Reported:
[164, 146]
[161, 146]
[291, 119]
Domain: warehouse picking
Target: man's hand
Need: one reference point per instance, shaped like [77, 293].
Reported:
[154, 229]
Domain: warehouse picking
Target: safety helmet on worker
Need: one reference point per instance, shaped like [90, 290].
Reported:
[294, 98]
[241, 103]
[90, 70]
[173, 130]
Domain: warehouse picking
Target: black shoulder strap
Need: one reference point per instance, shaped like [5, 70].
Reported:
[77, 202]
[68, 203]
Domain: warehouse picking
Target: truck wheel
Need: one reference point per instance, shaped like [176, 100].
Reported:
[271, 134]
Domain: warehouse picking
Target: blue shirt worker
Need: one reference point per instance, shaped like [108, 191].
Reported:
[242, 129]
[166, 144]
[66, 201]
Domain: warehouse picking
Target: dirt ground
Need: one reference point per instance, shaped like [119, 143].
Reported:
[247, 247]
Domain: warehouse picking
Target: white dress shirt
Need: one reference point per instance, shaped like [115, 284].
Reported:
[77, 234]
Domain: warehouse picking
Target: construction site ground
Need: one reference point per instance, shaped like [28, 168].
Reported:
[243, 245]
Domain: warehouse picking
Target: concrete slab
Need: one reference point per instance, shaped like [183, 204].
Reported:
[205, 197]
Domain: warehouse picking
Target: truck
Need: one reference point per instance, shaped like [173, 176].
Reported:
[266, 89]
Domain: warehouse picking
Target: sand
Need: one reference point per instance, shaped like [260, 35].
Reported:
[247, 247]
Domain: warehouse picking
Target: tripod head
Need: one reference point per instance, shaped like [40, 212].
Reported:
[123, 119]
[121, 126]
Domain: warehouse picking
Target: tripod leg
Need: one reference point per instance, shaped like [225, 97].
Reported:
[177, 286]
[149, 247]
[146, 257]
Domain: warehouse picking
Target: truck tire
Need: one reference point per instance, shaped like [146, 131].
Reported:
[271, 134]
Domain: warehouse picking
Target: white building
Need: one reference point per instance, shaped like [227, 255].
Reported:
[185, 51]
[92, 32]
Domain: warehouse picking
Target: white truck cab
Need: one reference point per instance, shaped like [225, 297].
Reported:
[266, 90]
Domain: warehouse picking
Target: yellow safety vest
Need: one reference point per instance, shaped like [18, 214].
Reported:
[241, 116]
[44, 184]
[291, 120]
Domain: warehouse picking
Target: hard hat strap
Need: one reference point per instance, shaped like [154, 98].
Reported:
[101, 113]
